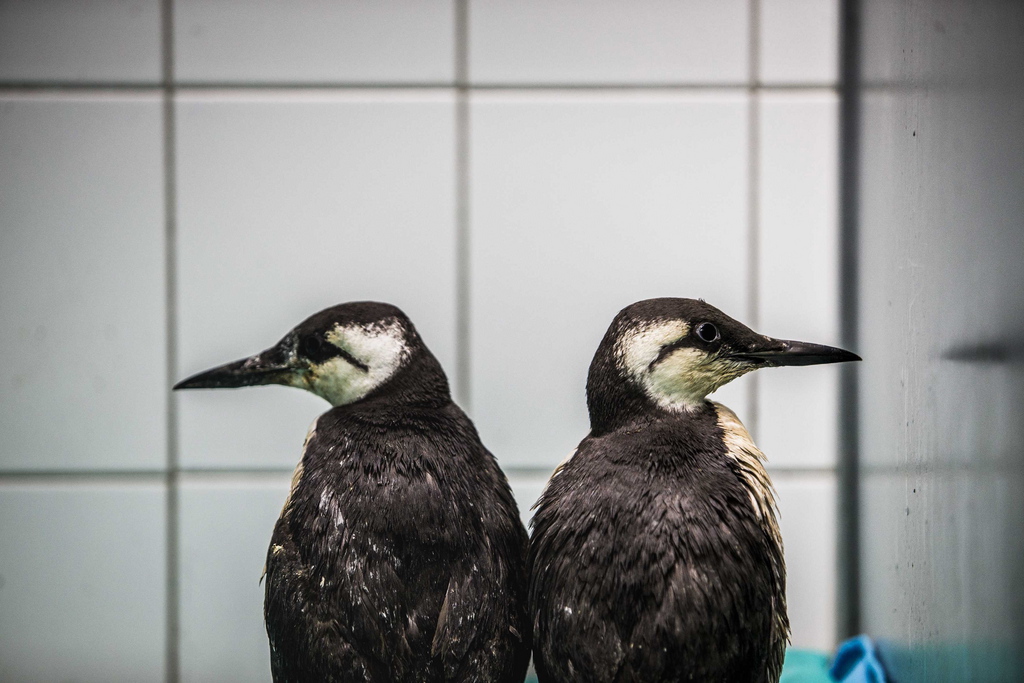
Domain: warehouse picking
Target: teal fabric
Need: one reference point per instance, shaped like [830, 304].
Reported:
[805, 666]
[801, 666]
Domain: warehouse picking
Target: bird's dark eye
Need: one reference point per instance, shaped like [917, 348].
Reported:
[707, 332]
[316, 348]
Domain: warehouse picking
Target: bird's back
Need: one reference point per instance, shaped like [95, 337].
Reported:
[651, 561]
[399, 555]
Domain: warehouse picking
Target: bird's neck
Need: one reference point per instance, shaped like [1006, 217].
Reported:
[422, 385]
[639, 412]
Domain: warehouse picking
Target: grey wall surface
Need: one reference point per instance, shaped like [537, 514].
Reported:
[942, 386]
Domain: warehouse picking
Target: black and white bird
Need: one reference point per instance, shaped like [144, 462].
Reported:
[399, 554]
[656, 553]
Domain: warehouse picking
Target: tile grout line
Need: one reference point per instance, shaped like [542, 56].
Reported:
[782, 470]
[132, 477]
[172, 672]
[463, 330]
[29, 87]
[129, 476]
[754, 202]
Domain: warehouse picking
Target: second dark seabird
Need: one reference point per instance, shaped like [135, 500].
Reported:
[399, 554]
[656, 554]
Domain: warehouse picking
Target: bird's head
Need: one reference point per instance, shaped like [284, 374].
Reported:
[669, 354]
[342, 354]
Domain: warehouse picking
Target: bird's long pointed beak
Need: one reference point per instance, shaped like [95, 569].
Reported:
[269, 367]
[775, 352]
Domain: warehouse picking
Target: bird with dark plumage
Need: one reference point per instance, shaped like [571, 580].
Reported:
[656, 553]
[399, 554]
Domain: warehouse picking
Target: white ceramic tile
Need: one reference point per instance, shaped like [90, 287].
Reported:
[798, 416]
[807, 506]
[582, 205]
[81, 283]
[799, 215]
[799, 41]
[648, 41]
[289, 204]
[314, 41]
[527, 487]
[97, 41]
[82, 579]
[799, 272]
[225, 532]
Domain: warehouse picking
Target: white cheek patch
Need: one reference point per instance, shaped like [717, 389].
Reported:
[671, 381]
[683, 378]
[381, 347]
[640, 347]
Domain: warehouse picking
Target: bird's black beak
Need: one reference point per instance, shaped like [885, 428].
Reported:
[770, 352]
[273, 366]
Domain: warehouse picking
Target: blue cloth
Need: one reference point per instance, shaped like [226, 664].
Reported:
[857, 662]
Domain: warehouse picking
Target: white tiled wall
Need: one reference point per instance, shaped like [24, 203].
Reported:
[572, 222]
[798, 271]
[290, 202]
[799, 42]
[807, 515]
[82, 283]
[100, 41]
[355, 41]
[317, 155]
[577, 43]
[82, 581]
[225, 529]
